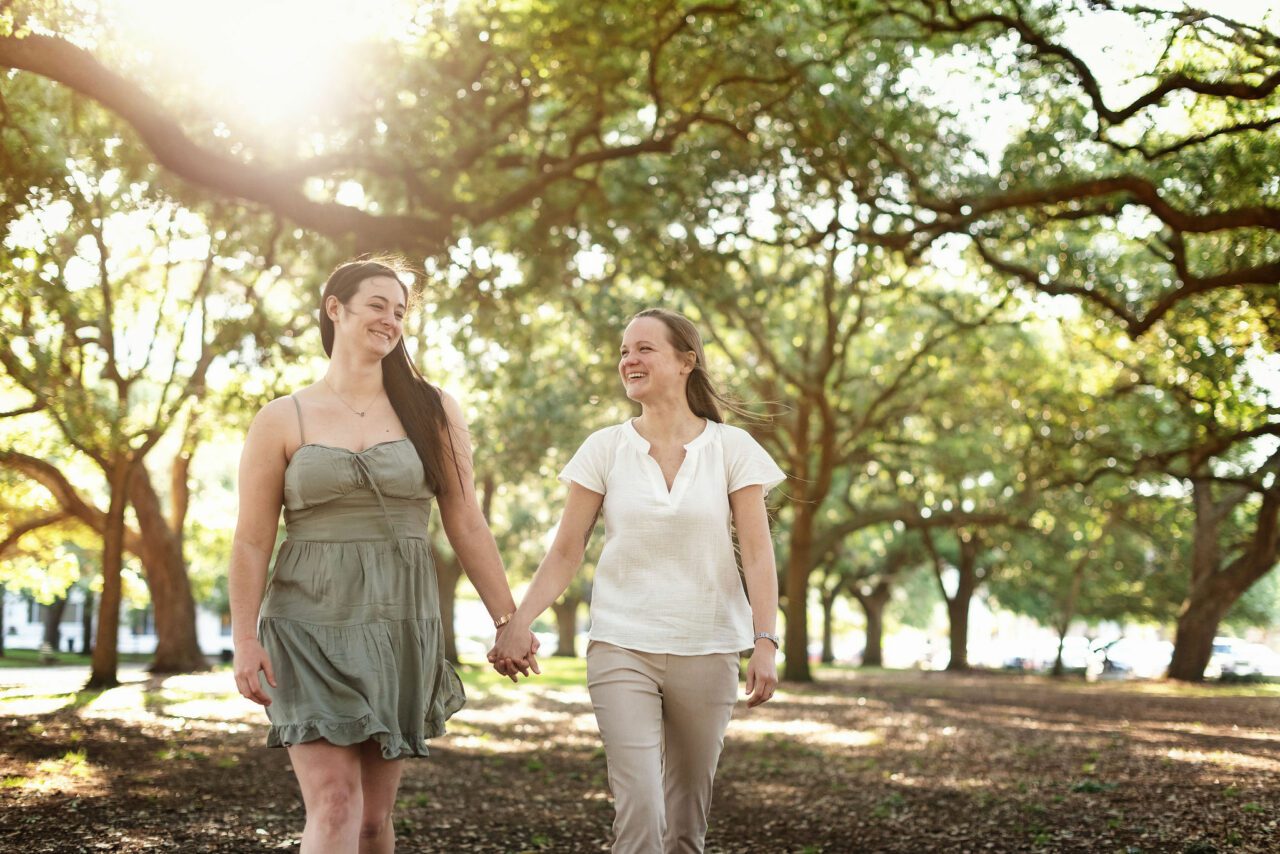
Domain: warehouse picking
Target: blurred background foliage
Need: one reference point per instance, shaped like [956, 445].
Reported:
[1001, 275]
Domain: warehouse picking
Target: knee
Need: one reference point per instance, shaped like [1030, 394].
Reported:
[337, 804]
[373, 826]
[639, 812]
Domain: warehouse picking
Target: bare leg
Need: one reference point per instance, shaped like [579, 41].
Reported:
[380, 779]
[330, 779]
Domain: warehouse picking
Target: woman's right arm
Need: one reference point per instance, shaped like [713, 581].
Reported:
[261, 493]
[555, 572]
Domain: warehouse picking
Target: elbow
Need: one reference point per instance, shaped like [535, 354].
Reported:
[568, 555]
[761, 566]
[458, 526]
[248, 549]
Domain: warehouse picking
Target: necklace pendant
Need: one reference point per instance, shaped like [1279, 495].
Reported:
[361, 414]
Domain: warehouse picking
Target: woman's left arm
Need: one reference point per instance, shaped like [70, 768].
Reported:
[751, 520]
[466, 528]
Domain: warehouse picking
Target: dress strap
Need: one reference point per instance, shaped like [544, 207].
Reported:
[301, 432]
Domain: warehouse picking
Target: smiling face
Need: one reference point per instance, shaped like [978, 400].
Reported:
[650, 366]
[372, 320]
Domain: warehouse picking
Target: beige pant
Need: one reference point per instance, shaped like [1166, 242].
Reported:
[662, 718]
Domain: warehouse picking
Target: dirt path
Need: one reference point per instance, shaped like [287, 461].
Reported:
[893, 762]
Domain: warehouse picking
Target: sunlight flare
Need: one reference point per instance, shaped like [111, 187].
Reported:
[271, 63]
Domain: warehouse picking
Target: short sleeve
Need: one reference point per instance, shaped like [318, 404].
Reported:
[748, 464]
[589, 466]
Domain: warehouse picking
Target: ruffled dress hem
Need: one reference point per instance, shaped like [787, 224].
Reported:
[394, 745]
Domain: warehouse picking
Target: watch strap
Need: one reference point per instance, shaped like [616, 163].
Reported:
[773, 639]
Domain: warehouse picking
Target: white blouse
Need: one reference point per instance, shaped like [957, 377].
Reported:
[667, 580]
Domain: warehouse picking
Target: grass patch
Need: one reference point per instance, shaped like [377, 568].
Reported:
[176, 753]
[23, 705]
[74, 763]
[933, 684]
[33, 658]
[1167, 688]
[556, 673]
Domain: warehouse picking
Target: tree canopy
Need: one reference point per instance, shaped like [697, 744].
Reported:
[1003, 273]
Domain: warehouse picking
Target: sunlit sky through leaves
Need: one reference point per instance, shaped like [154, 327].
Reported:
[272, 61]
[262, 66]
[269, 62]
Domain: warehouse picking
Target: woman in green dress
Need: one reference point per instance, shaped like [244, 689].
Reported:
[344, 645]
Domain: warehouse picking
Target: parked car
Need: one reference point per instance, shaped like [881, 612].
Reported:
[1233, 658]
[1221, 658]
[1259, 660]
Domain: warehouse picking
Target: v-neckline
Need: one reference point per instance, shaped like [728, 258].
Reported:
[670, 495]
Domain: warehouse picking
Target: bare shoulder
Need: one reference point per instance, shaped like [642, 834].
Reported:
[452, 408]
[275, 425]
[276, 414]
[450, 402]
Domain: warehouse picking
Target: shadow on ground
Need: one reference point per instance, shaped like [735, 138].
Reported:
[893, 762]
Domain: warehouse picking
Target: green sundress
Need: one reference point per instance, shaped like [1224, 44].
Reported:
[351, 616]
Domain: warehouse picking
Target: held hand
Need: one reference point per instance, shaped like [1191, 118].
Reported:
[250, 658]
[511, 653]
[762, 674]
[505, 667]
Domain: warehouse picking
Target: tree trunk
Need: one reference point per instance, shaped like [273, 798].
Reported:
[1199, 615]
[159, 546]
[566, 612]
[105, 658]
[1058, 669]
[448, 572]
[1193, 643]
[1213, 591]
[1069, 611]
[4, 595]
[53, 626]
[828, 606]
[177, 644]
[958, 605]
[86, 622]
[796, 667]
[873, 605]
[958, 616]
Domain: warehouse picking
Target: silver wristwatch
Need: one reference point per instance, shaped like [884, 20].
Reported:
[771, 638]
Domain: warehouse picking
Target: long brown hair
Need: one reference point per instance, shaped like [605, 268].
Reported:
[705, 399]
[416, 402]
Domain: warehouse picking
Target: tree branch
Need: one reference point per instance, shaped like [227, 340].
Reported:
[61, 61]
[21, 529]
[67, 496]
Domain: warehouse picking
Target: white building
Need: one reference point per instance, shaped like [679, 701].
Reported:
[24, 626]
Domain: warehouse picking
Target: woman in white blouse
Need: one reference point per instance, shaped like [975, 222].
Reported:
[669, 616]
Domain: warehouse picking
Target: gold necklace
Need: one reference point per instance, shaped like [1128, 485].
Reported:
[325, 380]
